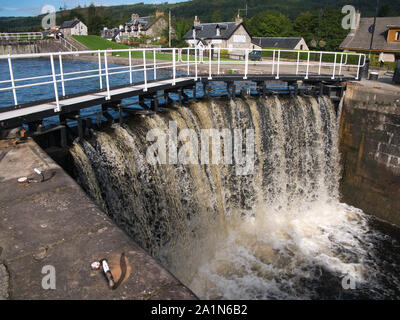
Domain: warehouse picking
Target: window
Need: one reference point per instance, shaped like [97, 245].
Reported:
[301, 47]
[397, 36]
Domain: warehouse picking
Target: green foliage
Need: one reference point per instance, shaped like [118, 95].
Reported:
[205, 9]
[142, 39]
[175, 43]
[265, 18]
[181, 27]
[374, 62]
[224, 54]
[98, 43]
[306, 26]
[216, 17]
[270, 24]
[324, 27]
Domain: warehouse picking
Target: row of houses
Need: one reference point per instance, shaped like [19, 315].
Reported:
[228, 35]
[150, 27]
[233, 35]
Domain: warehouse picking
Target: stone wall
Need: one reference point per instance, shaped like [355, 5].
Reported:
[370, 149]
[39, 46]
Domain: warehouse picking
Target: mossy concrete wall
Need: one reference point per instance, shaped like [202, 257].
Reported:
[370, 149]
[40, 46]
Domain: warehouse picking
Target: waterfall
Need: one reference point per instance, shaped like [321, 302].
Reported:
[277, 232]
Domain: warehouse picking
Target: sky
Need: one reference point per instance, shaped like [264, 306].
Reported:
[20, 8]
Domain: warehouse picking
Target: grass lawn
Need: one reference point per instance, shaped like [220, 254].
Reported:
[98, 43]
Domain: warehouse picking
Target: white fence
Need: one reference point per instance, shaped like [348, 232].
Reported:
[68, 45]
[190, 62]
[21, 36]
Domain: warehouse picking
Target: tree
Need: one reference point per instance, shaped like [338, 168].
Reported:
[270, 24]
[332, 31]
[182, 26]
[306, 26]
[216, 17]
[386, 11]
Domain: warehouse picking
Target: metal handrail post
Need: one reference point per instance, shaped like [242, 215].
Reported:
[62, 74]
[340, 66]
[100, 73]
[155, 64]
[188, 62]
[12, 80]
[358, 68]
[246, 68]
[334, 67]
[130, 66]
[308, 65]
[320, 64]
[107, 76]
[277, 68]
[145, 70]
[273, 63]
[209, 64]
[174, 66]
[57, 109]
[219, 61]
[195, 63]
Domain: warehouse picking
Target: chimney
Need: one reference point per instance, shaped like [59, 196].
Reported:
[134, 16]
[238, 19]
[159, 13]
[196, 21]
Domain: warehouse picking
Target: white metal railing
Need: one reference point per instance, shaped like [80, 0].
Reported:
[68, 45]
[21, 36]
[189, 61]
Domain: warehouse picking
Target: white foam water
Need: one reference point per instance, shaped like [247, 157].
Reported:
[278, 233]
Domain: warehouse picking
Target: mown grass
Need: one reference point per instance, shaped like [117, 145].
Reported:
[98, 43]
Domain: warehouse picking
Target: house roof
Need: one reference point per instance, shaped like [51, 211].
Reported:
[69, 24]
[209, 30]
[277, 42]
[361, 38]
[146, 22]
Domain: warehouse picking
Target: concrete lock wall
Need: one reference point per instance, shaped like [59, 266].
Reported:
[370, 150]
[40, 46]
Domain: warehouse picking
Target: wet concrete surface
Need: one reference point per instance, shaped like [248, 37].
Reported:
[54, 223]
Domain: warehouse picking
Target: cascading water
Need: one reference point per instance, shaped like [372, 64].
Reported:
[279, 232]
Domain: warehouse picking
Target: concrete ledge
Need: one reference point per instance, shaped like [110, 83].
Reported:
[55, 223]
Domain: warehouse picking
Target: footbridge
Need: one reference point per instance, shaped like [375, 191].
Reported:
[64, 85]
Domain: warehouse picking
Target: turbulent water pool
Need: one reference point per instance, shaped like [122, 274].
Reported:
[278, 231]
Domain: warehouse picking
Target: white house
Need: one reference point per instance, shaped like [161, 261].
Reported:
[229, 35]
[74, 28]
